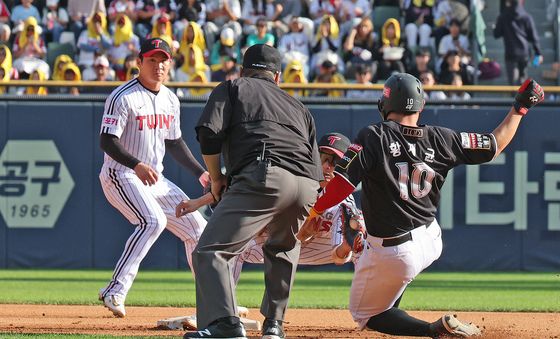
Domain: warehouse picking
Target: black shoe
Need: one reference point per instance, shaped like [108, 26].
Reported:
[219, 329]
[272, 329]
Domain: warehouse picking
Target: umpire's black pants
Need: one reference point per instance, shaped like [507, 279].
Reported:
[280, 205]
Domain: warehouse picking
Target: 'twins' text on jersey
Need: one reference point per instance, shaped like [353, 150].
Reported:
[410, 165]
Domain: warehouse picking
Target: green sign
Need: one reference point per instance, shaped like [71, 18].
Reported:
[34, 183]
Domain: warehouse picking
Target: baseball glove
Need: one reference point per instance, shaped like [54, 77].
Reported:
[353, 231]
[528, 95]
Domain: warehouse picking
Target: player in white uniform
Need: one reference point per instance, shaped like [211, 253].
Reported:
[140, 123]
[326, 246]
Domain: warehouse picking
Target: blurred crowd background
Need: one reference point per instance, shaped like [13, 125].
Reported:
[321, 41]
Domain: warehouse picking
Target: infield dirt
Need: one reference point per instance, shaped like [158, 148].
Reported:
[300, 323]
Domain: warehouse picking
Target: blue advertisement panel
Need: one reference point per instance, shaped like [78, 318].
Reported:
[504, 215]
[46, 192]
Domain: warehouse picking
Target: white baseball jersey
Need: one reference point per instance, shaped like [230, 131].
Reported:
[318, 251]
[143, 120]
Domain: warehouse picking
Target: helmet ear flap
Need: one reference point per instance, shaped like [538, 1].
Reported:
[380, 108]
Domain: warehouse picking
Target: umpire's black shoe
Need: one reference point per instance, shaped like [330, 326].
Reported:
[272, 329]
[228, 327]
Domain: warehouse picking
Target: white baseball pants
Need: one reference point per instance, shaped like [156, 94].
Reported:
[382, 273]
[151, 209]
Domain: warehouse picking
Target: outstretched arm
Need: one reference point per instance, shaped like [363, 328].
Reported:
[528, 95]
[189, 206]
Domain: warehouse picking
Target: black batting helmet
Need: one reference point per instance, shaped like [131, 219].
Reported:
[402, 93]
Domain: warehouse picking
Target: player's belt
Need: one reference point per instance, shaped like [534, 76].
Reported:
[397, 240]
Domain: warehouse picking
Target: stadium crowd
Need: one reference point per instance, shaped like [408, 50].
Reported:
[321, 41]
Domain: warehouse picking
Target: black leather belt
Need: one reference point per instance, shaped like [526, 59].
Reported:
[397, 241]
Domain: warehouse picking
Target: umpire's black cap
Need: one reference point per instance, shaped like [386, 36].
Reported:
[263, 57]
[336, 142]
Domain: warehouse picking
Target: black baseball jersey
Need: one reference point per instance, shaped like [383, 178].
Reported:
[402, 170]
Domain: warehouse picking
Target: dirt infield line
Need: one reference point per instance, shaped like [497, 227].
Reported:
[300, 323]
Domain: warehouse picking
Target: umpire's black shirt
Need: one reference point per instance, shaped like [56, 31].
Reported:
[244, 113]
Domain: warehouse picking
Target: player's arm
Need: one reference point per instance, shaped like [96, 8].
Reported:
[336, 191]
[111, 145]
[183, 155]
[189, 206]
[528, 95]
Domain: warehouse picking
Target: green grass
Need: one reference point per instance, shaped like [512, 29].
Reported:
[538, 292]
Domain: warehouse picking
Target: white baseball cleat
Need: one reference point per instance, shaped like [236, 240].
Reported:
[115, 304]
[456, 328]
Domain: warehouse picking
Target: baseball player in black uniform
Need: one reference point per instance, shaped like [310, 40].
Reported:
[268, 142]
[402, 166]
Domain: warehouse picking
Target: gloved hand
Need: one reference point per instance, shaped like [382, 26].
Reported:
[353, 231]
[528, 95]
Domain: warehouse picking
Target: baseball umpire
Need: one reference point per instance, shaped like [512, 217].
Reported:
[273, 169]
[402, 166]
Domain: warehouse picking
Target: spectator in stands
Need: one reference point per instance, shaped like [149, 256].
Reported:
[102, 73]
[228, 65]
[452, 65]
[187, 11]
[293, 73]
[443, 14]
[5, 30]
[71, 72]
[419, 22]
[350, 10]
[29, 49]
[457, 95]
[193, 61]
[295, 45]
[262, 36]
[55, 19]
[359, 45]
[21, 12]
[455, 41]
[363, 76]
[253, 10]
[149, 10]
[59, 63]
[6, 63]
[518, 29]
[328, 74]
[37, 75]
[125, 42]
[291, 9]
[391, 53]
[319, 8]
[326, 44]
[428, 79]
[120, 7]
[4, 77]
[80, 11]
[193, 34]
[129, 63]
[162, 27]
[422, 62]
[94, 40]
[219, 15]
[226, 46]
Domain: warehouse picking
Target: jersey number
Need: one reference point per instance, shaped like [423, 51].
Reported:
[420, 179]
